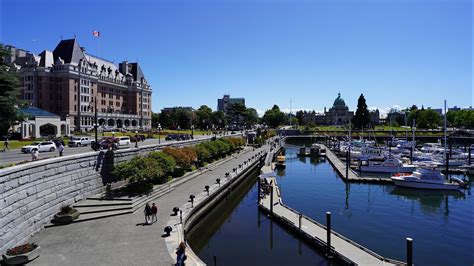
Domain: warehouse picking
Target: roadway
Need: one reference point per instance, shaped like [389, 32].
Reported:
[16, 156]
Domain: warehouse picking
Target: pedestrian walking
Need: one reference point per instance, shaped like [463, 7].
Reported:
[34, 155]
[6, 145]
[147, 212]
[61, 149]
[180, 254]
[154, 211]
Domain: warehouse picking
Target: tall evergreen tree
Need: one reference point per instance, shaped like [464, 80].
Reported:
[362, 116]
[9, 93]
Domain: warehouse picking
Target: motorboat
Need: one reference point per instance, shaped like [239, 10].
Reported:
[303, 151]
[426, 178]
[372, 153]
[317, 150]
[390, 165]
[280, 161]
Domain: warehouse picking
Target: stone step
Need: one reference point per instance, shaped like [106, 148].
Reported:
[95, 203]
[97, 209]
[94, 216]
[101, 197]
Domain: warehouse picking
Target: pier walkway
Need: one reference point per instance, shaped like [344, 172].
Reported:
[342, 247]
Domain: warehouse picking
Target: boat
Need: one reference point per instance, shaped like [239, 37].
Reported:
[426, 178]
[303, 151]
[390, 165]
[317, 150]
[280, 161]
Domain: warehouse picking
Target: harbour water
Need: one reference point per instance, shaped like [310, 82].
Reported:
[379, 217]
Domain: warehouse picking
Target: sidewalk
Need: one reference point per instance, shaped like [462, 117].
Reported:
[123, 240]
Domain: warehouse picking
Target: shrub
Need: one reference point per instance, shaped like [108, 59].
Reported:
[203, 154]
[182, 159]
[65, 209]
[166, 162]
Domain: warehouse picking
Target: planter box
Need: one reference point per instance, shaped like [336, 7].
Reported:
[21, 258]
[65, 218]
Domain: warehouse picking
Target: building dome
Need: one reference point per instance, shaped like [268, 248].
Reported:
[339, 102]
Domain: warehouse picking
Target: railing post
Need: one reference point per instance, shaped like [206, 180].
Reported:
[271, 201]
[328, 229]
[409, 251]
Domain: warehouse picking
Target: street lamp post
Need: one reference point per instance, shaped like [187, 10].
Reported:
[136, 139]
[159, 133]
[192, 131]
[95, 121]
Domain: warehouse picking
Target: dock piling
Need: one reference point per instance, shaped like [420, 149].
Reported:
[328, 229]
[409, 251]
[271, 201]
[300, 216]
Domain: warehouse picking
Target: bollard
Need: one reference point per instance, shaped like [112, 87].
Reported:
[300, 217]
[181, 216]
[271, 201]
[207, 189]
[328, 230]
[409, 251]
[191, 197]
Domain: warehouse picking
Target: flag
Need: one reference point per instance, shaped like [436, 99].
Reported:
[96, 33]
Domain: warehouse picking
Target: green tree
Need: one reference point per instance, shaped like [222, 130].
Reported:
[203, 117]
[250, 117]
[218, 119]
[166, 120]
[274, 117]
[155, 119]
[9, 93]
[362, 116]
[300, 117]
[428, 118]
[235, 113]
[184, 118]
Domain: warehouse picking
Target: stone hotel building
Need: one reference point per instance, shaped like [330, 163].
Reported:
[67, 81]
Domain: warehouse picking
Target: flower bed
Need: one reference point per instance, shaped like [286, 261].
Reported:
[20, 255]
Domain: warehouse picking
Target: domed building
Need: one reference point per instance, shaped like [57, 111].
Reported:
[339, 113]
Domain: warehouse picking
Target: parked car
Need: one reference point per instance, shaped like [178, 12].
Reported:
[171, 137]
[80, 141]
[39, 146]
[122, 141]
[107, 143]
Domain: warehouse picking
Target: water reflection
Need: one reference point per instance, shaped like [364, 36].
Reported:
[431, 201]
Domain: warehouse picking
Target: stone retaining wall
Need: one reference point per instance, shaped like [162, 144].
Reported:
[30, 194]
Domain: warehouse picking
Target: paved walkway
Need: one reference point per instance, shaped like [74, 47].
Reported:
[123, 240]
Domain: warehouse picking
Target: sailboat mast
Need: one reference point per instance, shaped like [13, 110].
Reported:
[445, 130]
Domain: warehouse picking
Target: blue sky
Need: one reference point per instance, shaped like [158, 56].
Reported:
[399, 52]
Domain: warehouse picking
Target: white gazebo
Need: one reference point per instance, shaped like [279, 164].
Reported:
[39, 122]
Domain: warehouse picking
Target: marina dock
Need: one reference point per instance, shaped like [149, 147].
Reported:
[341, 248]
[352, 176]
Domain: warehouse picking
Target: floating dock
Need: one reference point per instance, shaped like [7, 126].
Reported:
[341, 247]
[352, 176]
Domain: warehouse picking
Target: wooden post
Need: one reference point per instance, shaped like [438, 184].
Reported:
[328, 230]
[271, 201]
[409, 251]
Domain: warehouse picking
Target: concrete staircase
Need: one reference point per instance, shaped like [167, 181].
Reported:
[99, 206]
